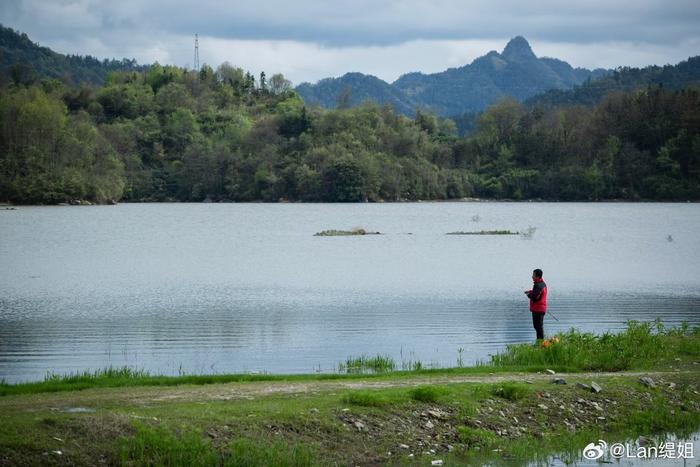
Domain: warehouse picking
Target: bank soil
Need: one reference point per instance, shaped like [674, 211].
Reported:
[351, 422]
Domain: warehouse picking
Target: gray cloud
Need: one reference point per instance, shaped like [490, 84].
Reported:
[342, 23]
[364, 22]
[371, 33]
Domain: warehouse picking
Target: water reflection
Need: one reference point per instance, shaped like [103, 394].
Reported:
[686, 446]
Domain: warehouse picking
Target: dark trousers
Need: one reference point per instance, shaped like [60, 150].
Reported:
[538, 323]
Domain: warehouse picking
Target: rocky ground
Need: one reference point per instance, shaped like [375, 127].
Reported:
[357, 422]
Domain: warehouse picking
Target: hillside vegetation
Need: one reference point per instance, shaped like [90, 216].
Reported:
[173, 134]
[591, 92]
[22, 62]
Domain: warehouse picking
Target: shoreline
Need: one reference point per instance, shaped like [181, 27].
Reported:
[529, 404]
[427, 201]
[509, 417]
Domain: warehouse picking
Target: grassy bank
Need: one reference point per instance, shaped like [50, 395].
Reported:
[642, 346]
[327, 423]
[504, 411]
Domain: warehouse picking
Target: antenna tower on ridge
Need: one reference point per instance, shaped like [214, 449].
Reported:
[196, 52]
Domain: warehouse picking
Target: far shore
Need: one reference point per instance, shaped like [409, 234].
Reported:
[462, 200]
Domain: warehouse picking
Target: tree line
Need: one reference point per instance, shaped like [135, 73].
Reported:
[170, 134]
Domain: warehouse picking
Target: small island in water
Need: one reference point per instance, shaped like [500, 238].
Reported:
[344, 233]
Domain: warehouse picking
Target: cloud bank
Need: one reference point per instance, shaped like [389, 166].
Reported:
[309, 40]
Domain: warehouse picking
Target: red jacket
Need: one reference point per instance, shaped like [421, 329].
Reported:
[538, 296]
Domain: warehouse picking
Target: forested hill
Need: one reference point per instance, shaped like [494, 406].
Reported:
[672, 77]
[516, 72]
[170, 134]
[353, 89]
[22, 61]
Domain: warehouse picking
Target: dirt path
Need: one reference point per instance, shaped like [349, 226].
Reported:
[253, 390]
[149, 395]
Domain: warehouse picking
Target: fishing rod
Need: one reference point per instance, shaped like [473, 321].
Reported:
[549, 313]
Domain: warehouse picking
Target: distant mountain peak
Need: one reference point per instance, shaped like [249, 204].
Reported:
[515, 72]
[518, 48]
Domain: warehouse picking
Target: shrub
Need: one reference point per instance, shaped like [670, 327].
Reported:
[512, 391]
[476, 437]
[641, 345]
[426, 393]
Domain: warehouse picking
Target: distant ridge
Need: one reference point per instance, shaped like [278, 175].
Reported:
[23, 60]
[515, 72]
[359, 88]
[675, 77]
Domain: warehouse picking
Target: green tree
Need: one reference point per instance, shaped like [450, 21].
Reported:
[343, 181]
[180, 130]
[279, 84]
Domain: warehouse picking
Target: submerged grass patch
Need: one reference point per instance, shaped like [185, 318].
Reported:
[368, 364]
[485, 232]
[113, 373]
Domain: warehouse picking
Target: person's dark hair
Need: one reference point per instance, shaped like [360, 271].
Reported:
[538, 273]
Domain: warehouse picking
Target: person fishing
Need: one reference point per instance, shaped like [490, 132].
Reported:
[538, 302]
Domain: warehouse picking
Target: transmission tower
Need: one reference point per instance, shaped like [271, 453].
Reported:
[196, 52]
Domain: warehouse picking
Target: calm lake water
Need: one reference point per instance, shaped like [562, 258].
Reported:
[220, 288]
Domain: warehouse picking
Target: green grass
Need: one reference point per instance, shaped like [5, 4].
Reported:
[125, 377]
[113, 373]
[249, 453]
[367, 364]
[158, 446]
[642, 345]
[70, 383]
[161, 447]
[477, 437]
[512, 391]
[367, 399]
[426, 393]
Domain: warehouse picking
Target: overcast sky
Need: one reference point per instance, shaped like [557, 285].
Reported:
[310, 40]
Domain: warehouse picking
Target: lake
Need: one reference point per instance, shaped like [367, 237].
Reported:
[223, 288]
